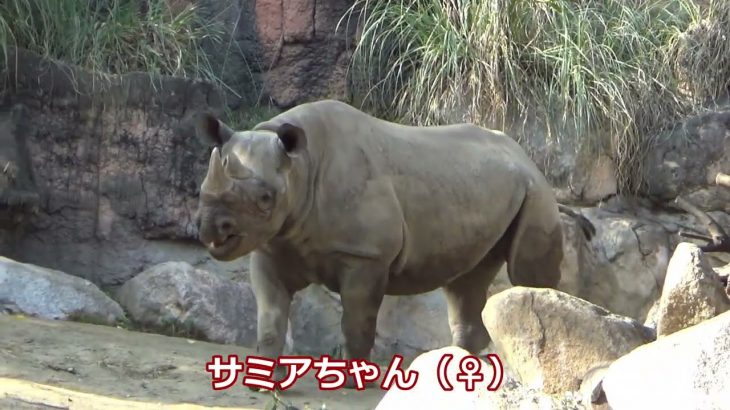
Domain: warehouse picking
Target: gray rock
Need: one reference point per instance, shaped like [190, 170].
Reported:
[551, 339]
[686, 370]
[693, 291]
[52, 294]
[194, 300]
[314, 323]
[685, 160]
[410, 325]
[407, 325]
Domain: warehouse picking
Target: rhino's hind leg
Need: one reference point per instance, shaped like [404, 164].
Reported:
[536, 248]
[466, 297]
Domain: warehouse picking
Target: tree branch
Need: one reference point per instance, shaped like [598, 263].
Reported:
[719, 241]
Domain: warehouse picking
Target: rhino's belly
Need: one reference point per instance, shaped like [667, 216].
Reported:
[446, 245]
[431, 267]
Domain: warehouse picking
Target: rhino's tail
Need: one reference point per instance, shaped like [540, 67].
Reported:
[536, 245]
[585, 225]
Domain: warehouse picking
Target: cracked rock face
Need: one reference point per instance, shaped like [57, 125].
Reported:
[693, 291]
[551, 339]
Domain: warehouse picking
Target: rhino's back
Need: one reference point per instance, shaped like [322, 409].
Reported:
[448, 150]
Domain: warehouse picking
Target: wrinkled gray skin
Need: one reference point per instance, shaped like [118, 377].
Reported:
[324, 193]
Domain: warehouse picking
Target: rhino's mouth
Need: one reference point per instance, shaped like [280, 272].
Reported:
[225, 247]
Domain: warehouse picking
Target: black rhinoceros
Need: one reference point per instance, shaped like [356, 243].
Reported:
[327, 194]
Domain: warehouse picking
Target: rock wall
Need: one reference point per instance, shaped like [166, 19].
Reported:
[686, 160]
[290, 51]
[115, 167]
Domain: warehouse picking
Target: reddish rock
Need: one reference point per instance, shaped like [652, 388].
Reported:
[269, 21]
[306, 72]
[298, 20]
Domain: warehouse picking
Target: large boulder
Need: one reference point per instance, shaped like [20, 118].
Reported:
[52, 294]
[196, 302]
[693, 291]
[551, 339]
[686, 370]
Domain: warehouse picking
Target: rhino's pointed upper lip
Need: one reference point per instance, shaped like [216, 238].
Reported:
[225, 247]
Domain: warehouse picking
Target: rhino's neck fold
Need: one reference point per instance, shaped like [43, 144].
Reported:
[301, 189]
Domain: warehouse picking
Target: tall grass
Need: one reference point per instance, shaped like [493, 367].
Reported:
[112, 36]
[702, 55]
[596, 67]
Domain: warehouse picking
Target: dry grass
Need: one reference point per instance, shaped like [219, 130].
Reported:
[113, 36]
[702, 54]
[604, 69]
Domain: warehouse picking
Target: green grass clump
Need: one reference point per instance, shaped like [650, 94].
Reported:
[594, 67]
[113, 36]
[248, 117]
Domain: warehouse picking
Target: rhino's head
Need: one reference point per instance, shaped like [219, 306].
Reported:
[244, 198]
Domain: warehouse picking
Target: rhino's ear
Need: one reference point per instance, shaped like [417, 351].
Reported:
[212, 131]
[292, 138]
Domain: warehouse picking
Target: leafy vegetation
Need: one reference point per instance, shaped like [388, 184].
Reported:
[601, 68]
[113, 36]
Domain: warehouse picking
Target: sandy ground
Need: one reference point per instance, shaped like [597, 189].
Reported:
[66, 365]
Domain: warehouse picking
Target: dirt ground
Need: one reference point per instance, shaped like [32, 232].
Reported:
[66, 365]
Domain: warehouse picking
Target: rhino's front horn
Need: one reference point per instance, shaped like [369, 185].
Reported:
[216, 180]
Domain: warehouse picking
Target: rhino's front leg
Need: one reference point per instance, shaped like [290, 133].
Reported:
[273, 300]
[362, 294]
